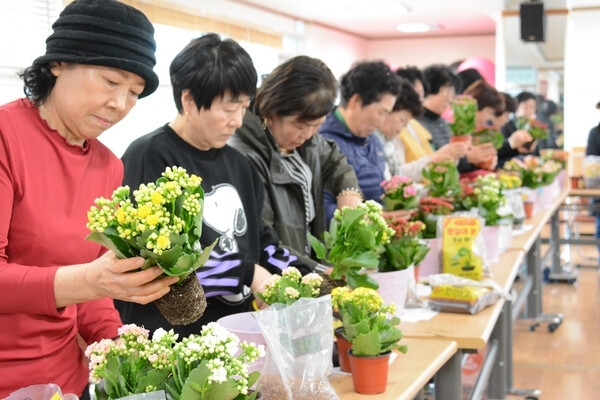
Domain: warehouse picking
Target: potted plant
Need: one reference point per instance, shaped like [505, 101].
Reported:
[296, 326]
[163, 225]
[487, 134]
[493, 206]
[406, 248]
[372, 330]
[464, 110]
[400, 193]
[442, 179]
[400, 261]
[290, 286]
[354, 243]
[538, 130]
[210, 365]
[428, 212]
[213, 365]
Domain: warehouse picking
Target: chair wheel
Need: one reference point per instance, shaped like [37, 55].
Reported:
[533, 326]
[552, 327]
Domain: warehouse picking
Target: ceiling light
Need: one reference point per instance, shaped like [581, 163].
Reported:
[378, 8]
[415, 27]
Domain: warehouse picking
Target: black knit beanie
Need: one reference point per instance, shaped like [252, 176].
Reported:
[107, 33]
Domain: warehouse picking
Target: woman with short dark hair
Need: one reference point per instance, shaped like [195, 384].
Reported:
[280, 138]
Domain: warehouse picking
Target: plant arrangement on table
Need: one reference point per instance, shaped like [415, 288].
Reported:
[212, 365]
[400, 193]
[464, 110]
[372, 330]
[429, 211]
[442, 179]
[560, 156]
[490, 199]
[406, 248]
[510, 180]
[354, 243]
[532, 171]
[290, 286]
[300, 316]
[163, 227]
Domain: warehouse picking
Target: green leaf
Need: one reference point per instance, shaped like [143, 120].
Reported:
[356, 279]
[204, 256]
[182, 266]
[318, 247]
[192, 389]
[112, 242]
[154, 377]
[367, 344]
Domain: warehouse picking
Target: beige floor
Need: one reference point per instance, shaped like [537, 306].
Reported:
[564, 364]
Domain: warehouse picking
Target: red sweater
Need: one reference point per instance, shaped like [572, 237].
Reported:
[46, 189]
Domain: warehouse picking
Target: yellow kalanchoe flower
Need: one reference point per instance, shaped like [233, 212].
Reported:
[164, 225]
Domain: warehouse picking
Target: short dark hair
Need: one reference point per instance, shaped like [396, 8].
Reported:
[468, 77]
[370, 80]
[38, 82]
[486, 95]
[510, 105]
[301, 86]
[438, 76]
[209, 67]
[524, 96]
[408, 99]
[412, 74]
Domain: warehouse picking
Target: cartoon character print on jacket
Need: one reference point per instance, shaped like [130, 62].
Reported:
[224, 213]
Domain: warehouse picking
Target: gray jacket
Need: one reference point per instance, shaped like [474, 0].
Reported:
[284, 202]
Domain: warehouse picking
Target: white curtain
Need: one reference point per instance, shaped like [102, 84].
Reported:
[24, 25]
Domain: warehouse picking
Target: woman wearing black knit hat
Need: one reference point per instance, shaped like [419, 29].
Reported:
[55, 286]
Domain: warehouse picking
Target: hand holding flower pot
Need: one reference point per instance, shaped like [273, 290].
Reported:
[164, 227]
[536, 129]
[464, 110]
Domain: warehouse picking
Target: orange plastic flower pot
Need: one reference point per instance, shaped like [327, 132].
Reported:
[370, 374]
[460, 138]
[343, 345]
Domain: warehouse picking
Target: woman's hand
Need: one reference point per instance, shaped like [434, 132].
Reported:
[481, 153]
[260, 276]
[454, 150]
[108, 276]
[522, 141]
[398, 214]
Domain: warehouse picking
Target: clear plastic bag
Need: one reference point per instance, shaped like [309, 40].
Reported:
[48, 391]
[591, 172]
[300, 341]
[451, 293]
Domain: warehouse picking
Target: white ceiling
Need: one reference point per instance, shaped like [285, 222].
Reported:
[452, 17]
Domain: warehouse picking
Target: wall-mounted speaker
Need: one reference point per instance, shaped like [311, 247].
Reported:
[533, 22]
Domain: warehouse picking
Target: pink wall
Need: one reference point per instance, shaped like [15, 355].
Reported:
[426, 51]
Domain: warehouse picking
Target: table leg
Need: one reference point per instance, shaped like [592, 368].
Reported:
[498, 382]
[533, 307]
[448, 380]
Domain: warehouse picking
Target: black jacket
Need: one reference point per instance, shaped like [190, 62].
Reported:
[284, 203]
